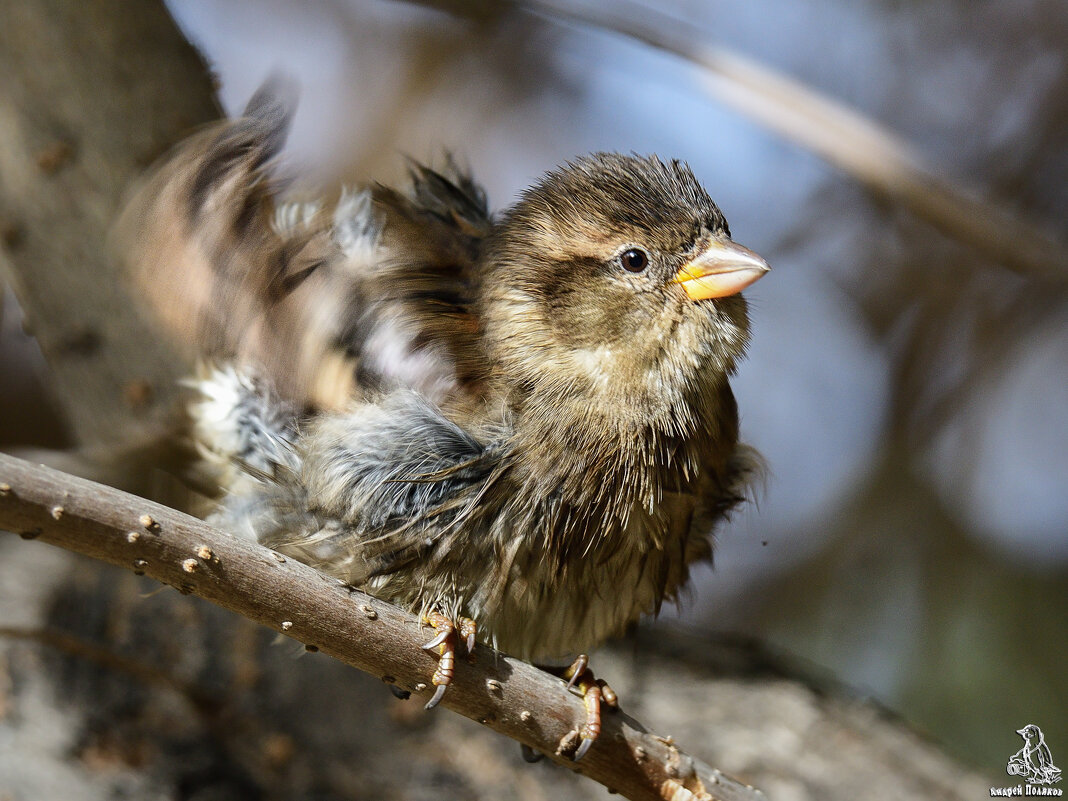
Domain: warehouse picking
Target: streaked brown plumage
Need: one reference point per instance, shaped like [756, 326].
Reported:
[523, 420]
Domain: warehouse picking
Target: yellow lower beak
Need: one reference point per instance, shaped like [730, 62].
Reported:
[721, 269]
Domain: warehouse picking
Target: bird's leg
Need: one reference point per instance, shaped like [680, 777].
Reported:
[445, 643]
[594, 691]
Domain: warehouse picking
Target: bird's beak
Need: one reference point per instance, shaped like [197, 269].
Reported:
[723, 268]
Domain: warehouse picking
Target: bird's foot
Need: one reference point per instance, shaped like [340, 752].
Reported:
[594, 692]
[445, 643]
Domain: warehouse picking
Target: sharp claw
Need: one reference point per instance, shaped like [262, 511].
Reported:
[439, 693]
[584, 746]
[434, 643]
[470, 642]
[529, 754]
[577, 670]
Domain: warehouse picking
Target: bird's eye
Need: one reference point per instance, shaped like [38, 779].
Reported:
[634, 260]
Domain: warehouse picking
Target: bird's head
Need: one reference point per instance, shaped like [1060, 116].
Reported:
[615, 278]
[1029, 732]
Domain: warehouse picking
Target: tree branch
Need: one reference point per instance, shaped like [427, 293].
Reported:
[507, 695]
[858, 145]
[92, 93]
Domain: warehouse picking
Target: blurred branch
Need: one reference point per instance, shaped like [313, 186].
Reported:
[91, 94]
[509, 696]
[80, 648]
[859, 146]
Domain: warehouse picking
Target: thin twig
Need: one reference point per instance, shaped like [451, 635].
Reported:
[510, 696]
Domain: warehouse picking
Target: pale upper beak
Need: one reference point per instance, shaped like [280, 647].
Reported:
[723, 268]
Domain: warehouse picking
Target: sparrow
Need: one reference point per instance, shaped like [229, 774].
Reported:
[517, 426]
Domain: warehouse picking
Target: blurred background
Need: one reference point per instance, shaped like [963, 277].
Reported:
[907, 383]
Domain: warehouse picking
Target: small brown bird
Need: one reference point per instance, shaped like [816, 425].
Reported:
[518, 427]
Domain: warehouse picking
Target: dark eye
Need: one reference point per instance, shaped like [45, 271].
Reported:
[634, 260]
